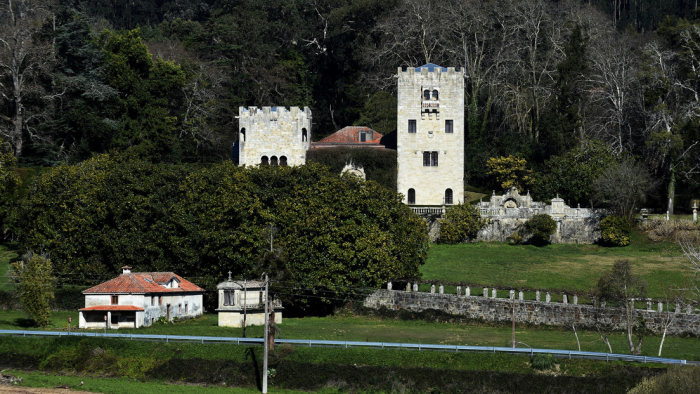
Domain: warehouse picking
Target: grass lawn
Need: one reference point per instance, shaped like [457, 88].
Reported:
[350, 328]
[566, 267]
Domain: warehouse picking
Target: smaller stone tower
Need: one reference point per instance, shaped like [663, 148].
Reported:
[273, 135]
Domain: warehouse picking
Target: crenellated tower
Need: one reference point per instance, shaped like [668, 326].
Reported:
[273, 135]
[430, 135]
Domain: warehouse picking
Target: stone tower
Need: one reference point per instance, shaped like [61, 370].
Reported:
[273, 135]
[430, 135]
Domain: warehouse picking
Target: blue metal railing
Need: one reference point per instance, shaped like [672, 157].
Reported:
[346, 344]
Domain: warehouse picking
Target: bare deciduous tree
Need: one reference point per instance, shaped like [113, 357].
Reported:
[624, 188]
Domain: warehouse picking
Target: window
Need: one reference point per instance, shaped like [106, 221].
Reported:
[426, 159]
[449, 126]
[363, 137]
[179, 309]
[186, 309]
[160, 300]
[411, 196]
[448, 197]
[153, 300]
[426, 94]
[304, 135]
[242, 138]
[229, 299]
[434, 159]
[435, 94]
[115, 300]
[412, 126]
[264, 161]
[273, 160]
[283, 161]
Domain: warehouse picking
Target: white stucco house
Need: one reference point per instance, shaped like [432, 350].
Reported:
[239, 298]
[137, 299]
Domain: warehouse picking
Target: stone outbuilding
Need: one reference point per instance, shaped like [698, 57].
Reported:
[137, 299]
[237, 298]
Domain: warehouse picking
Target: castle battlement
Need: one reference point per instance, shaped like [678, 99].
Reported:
[275, 113]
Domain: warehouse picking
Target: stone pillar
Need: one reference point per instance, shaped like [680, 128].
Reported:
[432, 289]
[566, 299]
[678, 308]
[537, 295]
[388, 285]
[442, 289]
[688, 308]
[521, 296]
[512, 295]
[695, 215]
[648, 305]
[486, 292]
[494, 294]
[660, 306]
[603, 304]
[109, 320]
[415, 286]
[547, 297]
[467, 291]
[667, 217]
[575, 299]
[459, 290]
[408, 286]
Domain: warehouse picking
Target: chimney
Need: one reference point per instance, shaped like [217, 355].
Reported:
[126, 270]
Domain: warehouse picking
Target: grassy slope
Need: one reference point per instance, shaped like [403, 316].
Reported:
[380, 330]
[569, 267]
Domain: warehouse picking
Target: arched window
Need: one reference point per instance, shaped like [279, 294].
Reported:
[273, 160]
[435, 94]
[264, 161]
[242, 138]
[448, 197]
[283, 161]
[304, 135]
[411, 196]
[426, 94]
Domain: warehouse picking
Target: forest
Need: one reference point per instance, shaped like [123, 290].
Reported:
[551, 82]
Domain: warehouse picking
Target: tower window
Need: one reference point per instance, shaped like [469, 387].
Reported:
[264, 161]
[412, 126]
[434, 159]
[449, 126]
[448, 196]
[273, 160]
[435, 95]
[304, 135]
[426, 159]
[426, 94]
[411, 196]
[242, 134]
[283, 161]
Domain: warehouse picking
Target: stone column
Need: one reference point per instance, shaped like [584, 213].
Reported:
[432, 289]
[695, 215]
[415, 286]
[547, 297]
[442, 289]
[603, 304]
[486, 292]
[408, 286]
[678, 308]
[660, 306]
[537, 295]
[667, 217]
[688, 308]
[512, 295]
[521, 296]
[566, 299]
[494, 294]
[467, 291]
[388, 285]
[648, 305]
[459, 290]
[575, 299]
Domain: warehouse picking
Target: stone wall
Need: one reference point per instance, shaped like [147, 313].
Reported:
[569, 230]
[541, 312]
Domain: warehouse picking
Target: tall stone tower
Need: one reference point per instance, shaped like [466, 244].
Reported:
[430, 135]
[273, 135]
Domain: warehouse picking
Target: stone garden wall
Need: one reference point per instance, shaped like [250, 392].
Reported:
[541, 311]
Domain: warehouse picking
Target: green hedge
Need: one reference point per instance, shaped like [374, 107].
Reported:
[379, 164]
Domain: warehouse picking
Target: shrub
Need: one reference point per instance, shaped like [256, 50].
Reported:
[462, 222]
[615, 231]
[539, 228]
[543, 361]
[684, 379]
[34, 275]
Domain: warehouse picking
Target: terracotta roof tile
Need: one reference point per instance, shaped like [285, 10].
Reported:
[112, 308]
[143, 282]
[351, 135]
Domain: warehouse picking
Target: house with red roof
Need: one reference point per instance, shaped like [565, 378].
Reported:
[353, 137]
[137, 299]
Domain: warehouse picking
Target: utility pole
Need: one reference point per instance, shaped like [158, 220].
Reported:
[513, 318]
[245, 304]
[265, 340]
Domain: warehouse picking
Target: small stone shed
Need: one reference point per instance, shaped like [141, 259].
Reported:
[137, 299]
[237, 298]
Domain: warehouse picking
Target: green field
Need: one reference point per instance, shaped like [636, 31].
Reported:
[564, 267]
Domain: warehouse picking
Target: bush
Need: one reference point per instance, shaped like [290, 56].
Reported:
[543, 361]
[679, 380]
[34, 275]
[539, 228]
[462, 222]
[615, 231]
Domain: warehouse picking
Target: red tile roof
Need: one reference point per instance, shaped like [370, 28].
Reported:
[350, 135]
[144, 282]
[111, 308]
